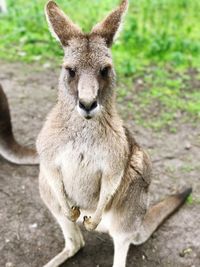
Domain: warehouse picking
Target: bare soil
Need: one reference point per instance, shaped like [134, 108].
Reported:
[30, 236]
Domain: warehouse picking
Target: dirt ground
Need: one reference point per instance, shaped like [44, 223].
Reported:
[29, 235]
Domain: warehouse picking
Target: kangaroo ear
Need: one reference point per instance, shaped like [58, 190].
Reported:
[61, 27]
[109, 27]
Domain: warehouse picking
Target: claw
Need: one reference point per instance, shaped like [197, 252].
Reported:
[86, 218]
[88, 223]
[75, 213]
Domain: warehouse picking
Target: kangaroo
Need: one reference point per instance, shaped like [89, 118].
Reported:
[9, 148]
[91, 168]
[92, 171]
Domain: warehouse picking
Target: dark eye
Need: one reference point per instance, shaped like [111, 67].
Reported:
[72, 73]
[104, 72]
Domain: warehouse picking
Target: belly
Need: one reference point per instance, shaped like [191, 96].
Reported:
[82, 187]
[81, 171]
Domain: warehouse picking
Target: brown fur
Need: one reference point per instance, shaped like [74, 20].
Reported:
[110, 25]
[9, 148]
[60, 23]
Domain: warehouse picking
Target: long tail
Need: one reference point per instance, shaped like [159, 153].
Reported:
[9, 148]
[158, 213]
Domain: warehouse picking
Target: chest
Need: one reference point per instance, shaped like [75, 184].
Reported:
[82, 166]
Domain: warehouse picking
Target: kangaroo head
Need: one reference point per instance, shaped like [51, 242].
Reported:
[87, 73]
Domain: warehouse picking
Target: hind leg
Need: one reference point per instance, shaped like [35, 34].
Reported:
[126, 216]
[73, 242]
[72, 234]
[121, 247]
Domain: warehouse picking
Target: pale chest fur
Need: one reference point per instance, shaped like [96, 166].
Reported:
[83, 163]
[81, 170]
[84, 152]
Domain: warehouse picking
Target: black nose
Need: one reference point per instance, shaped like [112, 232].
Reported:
[88, 106]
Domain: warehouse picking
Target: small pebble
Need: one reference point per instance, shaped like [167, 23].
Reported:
[37, 58]
[22, 53]
[185, 252]
[33, 226]
[47, 65]
[140, 82]
[187, 146]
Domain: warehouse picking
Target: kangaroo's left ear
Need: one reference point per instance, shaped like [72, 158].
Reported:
[109, 27]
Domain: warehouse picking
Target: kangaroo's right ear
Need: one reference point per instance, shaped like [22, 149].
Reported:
[61, 27]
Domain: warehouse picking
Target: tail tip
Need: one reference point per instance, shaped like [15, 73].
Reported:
[185, 193]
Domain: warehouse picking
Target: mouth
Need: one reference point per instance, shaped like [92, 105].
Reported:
[85, 115]
[88, 117]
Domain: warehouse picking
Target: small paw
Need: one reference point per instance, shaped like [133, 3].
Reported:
[74, 213]
[89, 224]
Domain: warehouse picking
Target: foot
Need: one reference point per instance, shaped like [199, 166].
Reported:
[74, 214]
[89, 224]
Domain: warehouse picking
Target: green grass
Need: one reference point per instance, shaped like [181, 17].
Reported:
[155, 31]
[165, 98]
[159, 44]
[192, 201]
